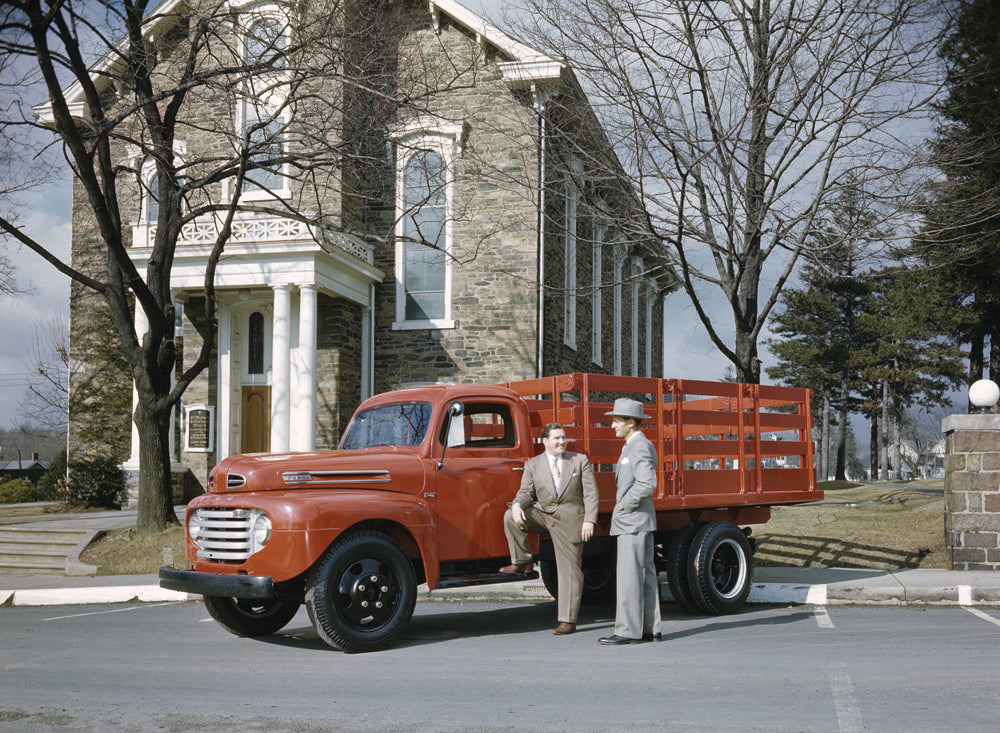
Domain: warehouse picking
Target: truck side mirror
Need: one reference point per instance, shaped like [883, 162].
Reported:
[454, 429]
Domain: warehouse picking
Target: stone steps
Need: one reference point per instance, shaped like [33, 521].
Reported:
[38, 551]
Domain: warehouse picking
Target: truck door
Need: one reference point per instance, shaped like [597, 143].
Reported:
[477, 481]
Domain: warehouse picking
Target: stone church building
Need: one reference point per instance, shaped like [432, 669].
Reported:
[500, 247]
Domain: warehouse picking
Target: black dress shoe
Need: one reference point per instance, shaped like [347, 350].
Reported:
[615, 640]
[653, 637]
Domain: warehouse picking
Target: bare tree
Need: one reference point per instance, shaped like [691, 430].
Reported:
[738, 122]
[127, 83]
[46, 402]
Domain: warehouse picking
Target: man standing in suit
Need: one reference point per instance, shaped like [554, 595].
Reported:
[637, 615]
[558, 495]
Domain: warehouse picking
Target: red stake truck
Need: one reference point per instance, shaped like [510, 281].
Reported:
[417, 490]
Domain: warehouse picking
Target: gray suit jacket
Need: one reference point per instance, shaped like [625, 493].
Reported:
[577, 502]
[635, 475]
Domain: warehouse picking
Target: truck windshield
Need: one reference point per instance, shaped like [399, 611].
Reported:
[401, 423]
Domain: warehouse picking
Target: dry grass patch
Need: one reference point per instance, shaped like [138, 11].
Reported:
[125, 552]
[858, 526]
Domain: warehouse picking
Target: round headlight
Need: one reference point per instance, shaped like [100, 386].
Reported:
[261, 531]
[195, 528]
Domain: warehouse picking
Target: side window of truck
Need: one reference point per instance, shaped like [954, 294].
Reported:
[488, 425]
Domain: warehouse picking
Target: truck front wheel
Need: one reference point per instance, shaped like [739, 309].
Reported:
[720, 569]
[249, 616]
[363, 593]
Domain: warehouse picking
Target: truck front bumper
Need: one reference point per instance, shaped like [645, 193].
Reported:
[212, 584]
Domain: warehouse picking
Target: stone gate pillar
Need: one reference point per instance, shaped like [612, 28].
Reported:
[972, 491]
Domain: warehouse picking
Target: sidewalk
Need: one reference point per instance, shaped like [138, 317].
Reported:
[777, 585]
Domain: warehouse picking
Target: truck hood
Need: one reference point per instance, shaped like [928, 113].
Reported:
[382, 470]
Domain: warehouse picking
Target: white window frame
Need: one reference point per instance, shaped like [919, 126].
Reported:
[619, 256]
[636, 270]
[572, 193]
[649, 295]
[445, 140]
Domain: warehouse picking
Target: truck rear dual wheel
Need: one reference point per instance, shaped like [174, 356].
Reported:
[250, 616]
[363, 593]
[678, 552]
[719, 569]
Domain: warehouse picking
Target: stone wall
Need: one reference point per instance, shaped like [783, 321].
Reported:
[972, 491]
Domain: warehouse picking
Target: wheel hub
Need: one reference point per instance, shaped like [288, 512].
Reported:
[366, 593]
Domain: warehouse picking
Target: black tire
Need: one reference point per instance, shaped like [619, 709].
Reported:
[363, 593]
[720, 568]
[598, 579]
[678, 554]
[250, 616]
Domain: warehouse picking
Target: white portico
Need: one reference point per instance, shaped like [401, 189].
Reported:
[268, 283]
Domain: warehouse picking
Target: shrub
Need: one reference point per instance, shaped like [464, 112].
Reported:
[96, 482]
[52, 485]
[18, 491]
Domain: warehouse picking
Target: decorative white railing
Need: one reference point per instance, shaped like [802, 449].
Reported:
[258, 230]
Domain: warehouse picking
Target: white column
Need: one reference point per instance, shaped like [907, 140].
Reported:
[281, 369]
[224, 401]
[141, 328]
[305, 398]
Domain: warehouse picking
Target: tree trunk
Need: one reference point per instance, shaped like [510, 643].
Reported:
[825, 439]
[841, 474]
[884, 442]
[156, 505]
[747, 360]
[873, 446]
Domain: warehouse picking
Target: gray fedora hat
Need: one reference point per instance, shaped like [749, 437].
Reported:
[624, 407]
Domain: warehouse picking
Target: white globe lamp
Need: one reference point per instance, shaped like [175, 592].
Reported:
[983, 394]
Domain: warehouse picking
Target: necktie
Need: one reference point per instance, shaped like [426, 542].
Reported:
[556, 473]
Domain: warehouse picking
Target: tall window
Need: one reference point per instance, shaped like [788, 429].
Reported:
[424, 242]
[619, 256]
[569, 272]
[255, 343]
[636, 285]
[262, 121]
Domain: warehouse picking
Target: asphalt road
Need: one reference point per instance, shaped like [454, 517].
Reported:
[497, 667]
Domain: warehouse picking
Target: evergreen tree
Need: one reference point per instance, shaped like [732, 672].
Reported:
[960, 243]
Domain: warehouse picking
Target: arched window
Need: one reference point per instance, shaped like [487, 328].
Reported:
[255, 341]
[425, 211]
[264, 40]
[153, 197]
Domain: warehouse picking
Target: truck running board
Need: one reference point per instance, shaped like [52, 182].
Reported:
[462, 579]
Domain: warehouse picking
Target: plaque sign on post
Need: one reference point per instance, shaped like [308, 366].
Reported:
[199, 433]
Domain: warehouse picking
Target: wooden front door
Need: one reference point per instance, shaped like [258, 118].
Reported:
[256, 420]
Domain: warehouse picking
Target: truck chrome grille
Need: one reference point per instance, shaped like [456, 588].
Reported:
[235, 481]
[225, 534]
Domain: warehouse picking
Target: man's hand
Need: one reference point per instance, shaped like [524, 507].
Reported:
[517, 514]
[588, 531]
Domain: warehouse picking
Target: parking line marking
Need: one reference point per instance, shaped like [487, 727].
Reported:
[845, 700]
[984, 616]
[114, 610]
[823, 618]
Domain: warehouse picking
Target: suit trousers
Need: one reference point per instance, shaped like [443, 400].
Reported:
[568, 549]
[638, 603]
